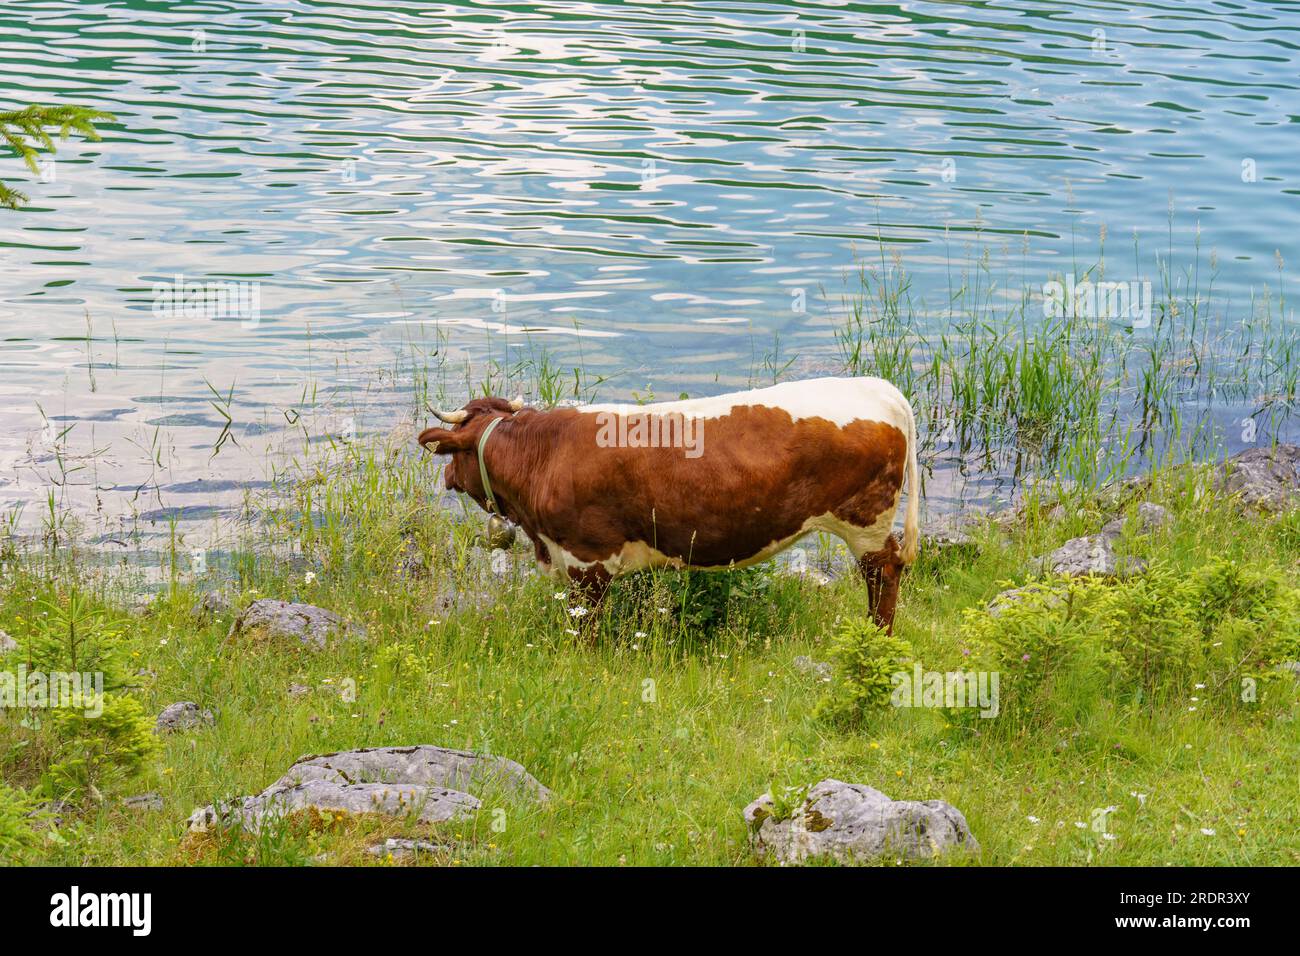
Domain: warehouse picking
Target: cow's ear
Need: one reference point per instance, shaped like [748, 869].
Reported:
[444, 441]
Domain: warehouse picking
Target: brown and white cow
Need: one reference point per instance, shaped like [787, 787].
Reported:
[708, 483]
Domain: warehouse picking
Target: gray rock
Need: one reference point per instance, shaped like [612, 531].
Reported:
[298, 690]
[1265, 478]
[814, 576]
[305, 623]
[452, 599]
[848, 822]
[400, 848]
[1012, 596]
[1091, 554]
[212, 605]
[946, 537]
[7, 643]
[1150, 517]
[431, 783]
[1293, 667]
[49, 813]
[423, 764]
[426, 804]
[820, 669]
[184, 715]
[411, 563]
[144, 801]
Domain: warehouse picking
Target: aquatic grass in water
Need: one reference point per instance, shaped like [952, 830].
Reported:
[1007, 385]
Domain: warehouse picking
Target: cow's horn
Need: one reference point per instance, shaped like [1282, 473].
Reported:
[517, 403]
[452, 418]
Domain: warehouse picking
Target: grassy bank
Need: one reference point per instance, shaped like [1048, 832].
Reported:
[690, 706]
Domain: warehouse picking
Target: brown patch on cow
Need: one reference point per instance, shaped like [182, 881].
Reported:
[760, 477]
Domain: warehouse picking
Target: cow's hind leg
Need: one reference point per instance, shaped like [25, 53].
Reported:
[882, 571]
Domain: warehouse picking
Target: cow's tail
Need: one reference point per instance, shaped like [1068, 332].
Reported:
[912, 521]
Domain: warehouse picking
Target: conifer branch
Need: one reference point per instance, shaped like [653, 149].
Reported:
[27, 131]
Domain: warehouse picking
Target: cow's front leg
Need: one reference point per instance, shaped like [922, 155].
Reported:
[589, 584]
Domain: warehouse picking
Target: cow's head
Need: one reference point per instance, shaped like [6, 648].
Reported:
[460, 441]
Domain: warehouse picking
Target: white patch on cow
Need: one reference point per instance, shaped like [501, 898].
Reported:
[838, 400]
[637, 555]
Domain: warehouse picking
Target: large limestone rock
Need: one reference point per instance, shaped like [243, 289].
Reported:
[848, 822]
[1265, 478]
[305, 623]
[423, 764]
[430, 783]
[427, 804]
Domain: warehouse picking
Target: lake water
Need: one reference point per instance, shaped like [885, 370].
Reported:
[669, 195]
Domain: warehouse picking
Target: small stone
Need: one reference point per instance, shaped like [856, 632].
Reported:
[411, 563]
[143, 801]
[815, 576]
[1012, 596]
[49, 813]
[820, 669]
[184, 715]
[399, 848]
[212, 605]
[298, 690]
[947, 538]
[7, 643]
[851, 822]
[450, 599]
[1150, 517]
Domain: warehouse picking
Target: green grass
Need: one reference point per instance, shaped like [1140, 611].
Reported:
[643, 773]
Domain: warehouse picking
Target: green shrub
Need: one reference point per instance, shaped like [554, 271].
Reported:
[106, 736]
[74, 634]
[18, 836]
[96, 750]
[865, 659]
[1215, 636]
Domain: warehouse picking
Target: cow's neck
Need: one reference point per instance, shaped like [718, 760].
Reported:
[509, 457]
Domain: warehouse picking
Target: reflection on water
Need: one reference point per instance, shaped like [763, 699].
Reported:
[667, 195]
